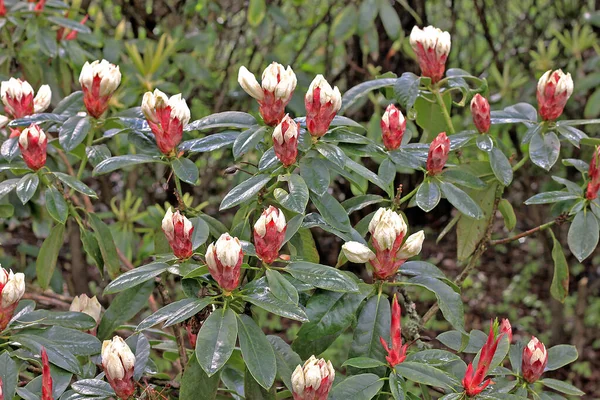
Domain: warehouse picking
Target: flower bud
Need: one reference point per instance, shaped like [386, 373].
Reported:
[387, 229]
[224, 259]
[553, 91]
[2, 14]
[99, 80]
[46, 377]
[412, 246]
[4, 120]
[39, 7]
[593, 176]
[285, 141]
[178, 230]
[12, 288]
[269, 232]
[534, 361]
[167, 117]
[438, 154]
[118, 362]
[393, 126]
[91, 307]
[432, 46]
[313, 380]
[357, 252]
[480, 109]
[42, 99]
[322, 103]
[506, 328]
[18, 100]
[278, 84]
[397, 351]
[33, 143]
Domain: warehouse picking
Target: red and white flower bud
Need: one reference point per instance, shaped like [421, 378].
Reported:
[224, 259]
[46, 377]
[99, 80]
[312, 381]
[33, 143]
[397, 351]
[594, 176]
[2, 14]
[480, 109]
[357, 252]
[553, 91]
[438, 154]
[506, 328]
[387, 233]
[412, 246]
[285, 141]
[91, 307]
[322, 103]
[432, 46]
[269, 232]
[535, 359]
[12, 288]
[178, 230]
[278, 84]
[18, 100]
[167, 116]
[393, 126]
[118, 362]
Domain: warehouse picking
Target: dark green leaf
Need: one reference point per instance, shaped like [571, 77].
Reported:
[185, 170]
[560, 280]
[550, 197]
[46, 260]
[322, 276]
[106, 245]
[118, 162]
[281, 287]
[244, 191]
[176, 311]
[56, 205]
[97, 154]
[287, 359]
[258, 293]
[461, 200]
[210, 143]
[257, 352]
[201, 232]
[247, 140]
[252, 390]
[561, 355]
[315, 174]
[449, 301]
[359, 202]
[583, 235]
[297, 199]
[93, 387]
[355, 93]
[196, 385]
[363, 362]
[332, 211]
[421, 268]
[485, 142]
[136, 277]
[229, 119]
[27, 186]
[562, 387]
[7, 186]
[9, 372]
[357, 387]
[501, 166]
[73, 132]
[70, 104]
[70, 24]
[37, 119]
[544, 149]
[389, 18]
[470, 231]
[68, 319]
[428, 195]
[216, 340]
[75, 184]
[425, 374]
[293, 225]
[406, 90]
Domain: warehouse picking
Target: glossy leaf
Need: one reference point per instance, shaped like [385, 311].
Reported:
[354, 94]
[210, 142]
[196, 385]
[462, 201]
[560, 280]
[287, 359]
[73, 132]
[357, 387]
[247, 140]
[216, 340]
[259, 293]
[322, 276]
[75, 184]
[185, 169]
[332, 211]
[257, 351]
[136, 277]
[27, 186]
[281, 287]
[244, 191]
[56, 205]
[46, 260]
[106, 245]
[561, 355]
[176, 311]
[544, 149]
[119, 162]
[425, 374]
[583, 235]
[227, 119]
[428, 195]
[297, 198]
[315, 174]
[501, 166]
[406, 90]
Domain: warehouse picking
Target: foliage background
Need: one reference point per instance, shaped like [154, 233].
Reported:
[196, 47]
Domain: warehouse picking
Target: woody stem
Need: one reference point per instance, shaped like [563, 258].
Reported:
[179, 191]
[445, 113]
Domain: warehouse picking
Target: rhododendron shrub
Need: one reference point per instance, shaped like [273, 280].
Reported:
[217, 280]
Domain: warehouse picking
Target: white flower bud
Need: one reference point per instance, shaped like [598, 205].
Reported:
[431, 38]
[14, 287]
[179, 109]
[248, 82]
[117, 358]
[34, 131]
[290, 133]
[386, 226]
[564, 83]
[298, 383]
[87, 306]
[271, 214]
[16, 89]
[170, 219]
[42, 99]
[357, 252]
[228, 250]
[278, 80]
[326, 94]
[311, 376]
[4, 120]
[412, 246]
[109, 75]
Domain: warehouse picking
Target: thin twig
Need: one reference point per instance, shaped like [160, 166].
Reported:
[176, 328]
[531, 231]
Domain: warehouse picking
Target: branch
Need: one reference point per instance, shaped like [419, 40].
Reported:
[559, 220]
[176, 328]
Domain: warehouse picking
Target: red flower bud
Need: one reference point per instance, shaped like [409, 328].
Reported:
[192, 337]
[118, 363]
[33, 143]
[72, 35]
[313, 380]
[506, 328]
[553, 91]
[322, 103]
[39, 7]
[474, 381]
[17, 96]
[594, 177]
[432, 46]
[2, 14]
[535, 359]
[393, 126]
[397, 352]
[224, 259]
[167, 117]
[269, 232]
[98, 80]
[285, 141]
[438, 154]
[480, 108]
[178, 230]
[46, 377]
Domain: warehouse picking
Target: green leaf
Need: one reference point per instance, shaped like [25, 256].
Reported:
[93, 387]
[359, 202]
[354, 94]
[216, 340]
[210, 143]
[293, 225]
[470, 231]
[258, 293]
[506, 209]
[124, 307]
[560, 280]
[27, 186]
[367, 174]
[321, 276]
[544, 149]
[6, 210]
[425, 374]
[106, 245]
[227, 119]
[47, 43]
[247, 140]
[561, 355]
[463, 178]
[70, 104]
[257, 352]
[7, 186]
[175, 312]
[287, 359]
[70, 24]
[344, 23]
[357, 387]
[332, 211]
[583, 235]
[433, 357]
[421, 268]
[46, 260]
[56, 205]
[57, 355]
[37, 118]
[252, 390]
[363, 362]
[244, 191]
[397, 386]
[75, 184]
[520, 112]
[68, 319]
[185, 169]
[501, 166]
[73, 132]
[257, 9]
[201, 232]
[373, 323]
[449, 301]
[297, 199]
[551, 197]
[429, 114]
[484, 142]
[196, 384]
[428, 195]
[9, 372]
[462, 201]
[268, 160]
[281, 287]
[332, 153]
[118, 162]
[316, 175]
[91, 247]
[561, 386]
[97, 154]
[389, 18]
[136, 277]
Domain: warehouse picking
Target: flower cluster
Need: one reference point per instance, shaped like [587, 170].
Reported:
[118, 362]
[17, 97]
